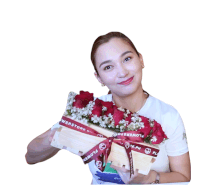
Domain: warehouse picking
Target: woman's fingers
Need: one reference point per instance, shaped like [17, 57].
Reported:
[117, 168]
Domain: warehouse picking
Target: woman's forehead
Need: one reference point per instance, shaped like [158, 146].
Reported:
[115, 44]
[112, 49]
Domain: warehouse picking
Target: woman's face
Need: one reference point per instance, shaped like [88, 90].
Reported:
[117, 62]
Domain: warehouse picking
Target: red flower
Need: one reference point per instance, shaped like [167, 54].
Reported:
[145, 120]
[158, 134]
[83, 99]
[117, 115]
[97, 108]
[146, 129]
[109, 106]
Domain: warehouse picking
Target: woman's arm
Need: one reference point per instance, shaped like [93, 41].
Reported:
[180, 172]
[40, 149]
[180, 168]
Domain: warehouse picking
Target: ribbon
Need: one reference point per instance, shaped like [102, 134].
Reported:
[101, 151]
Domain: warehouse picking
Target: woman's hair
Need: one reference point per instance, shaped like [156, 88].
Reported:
[105, 38]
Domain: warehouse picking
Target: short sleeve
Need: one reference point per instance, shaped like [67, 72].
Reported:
[177, 143]
[57, 125]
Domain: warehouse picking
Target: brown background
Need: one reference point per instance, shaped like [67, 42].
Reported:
[41, 45]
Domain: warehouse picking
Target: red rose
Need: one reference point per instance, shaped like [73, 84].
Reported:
[158, 134]
[83, 99]
[97, 108]
[117, 115]
[146, 129]
[145, 120]
[109, 106]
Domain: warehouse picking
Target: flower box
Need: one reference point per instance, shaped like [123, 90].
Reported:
[103, 132]
[78, 142]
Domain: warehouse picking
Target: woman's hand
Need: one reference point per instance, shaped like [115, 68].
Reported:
[137, 178]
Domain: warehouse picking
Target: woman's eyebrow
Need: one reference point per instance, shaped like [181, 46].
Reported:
[108, 61]
[126, 53]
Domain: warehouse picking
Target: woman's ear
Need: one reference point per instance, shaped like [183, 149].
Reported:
[98, 77]
[141, 59]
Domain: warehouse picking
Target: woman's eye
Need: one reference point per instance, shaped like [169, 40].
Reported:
[128, 58]
[107, 67]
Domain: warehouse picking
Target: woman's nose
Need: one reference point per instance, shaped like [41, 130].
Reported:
[122, 70]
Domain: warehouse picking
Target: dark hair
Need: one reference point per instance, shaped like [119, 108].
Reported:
[105, 38]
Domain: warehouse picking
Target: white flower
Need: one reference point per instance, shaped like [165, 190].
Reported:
[110, 116]
[137, 125]
[85, 112]
[135, 114]
[151, 124]
[138, 119]
[72, 94]
[121, 109]
[125, 115]
[90, 104]
[104, 108]
[80, 110]
[73, 116]
[154, 139]
[131, 126]
[122, 128]
[84, 120]
[106, 119]
[69, 102]
[71, 97]
[102, 124]
[122, 121]
[95, 119]
[73, 109]
[133, 119]
[112, 124]
[68, 107]
[141, 125]
[79, 117]
[89, 107]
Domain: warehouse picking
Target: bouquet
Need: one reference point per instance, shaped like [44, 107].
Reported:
[104, 132]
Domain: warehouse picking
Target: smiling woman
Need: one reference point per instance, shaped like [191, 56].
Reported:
[118, 65]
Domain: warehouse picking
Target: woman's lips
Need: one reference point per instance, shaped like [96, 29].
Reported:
[128, 81]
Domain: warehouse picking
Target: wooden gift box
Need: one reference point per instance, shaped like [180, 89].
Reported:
[76, 142]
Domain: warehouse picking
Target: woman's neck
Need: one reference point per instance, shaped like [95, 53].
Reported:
[133, 102]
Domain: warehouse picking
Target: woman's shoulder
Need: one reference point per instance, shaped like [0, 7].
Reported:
[163, 106]
[165, 112]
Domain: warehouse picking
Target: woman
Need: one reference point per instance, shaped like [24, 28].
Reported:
[118, 65]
